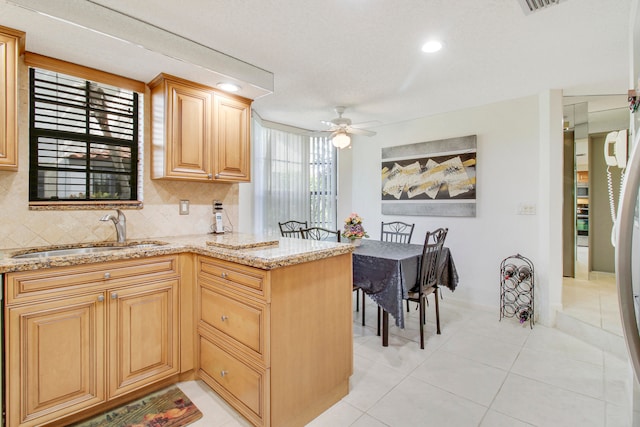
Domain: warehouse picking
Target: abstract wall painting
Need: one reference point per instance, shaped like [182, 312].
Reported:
[434, 178]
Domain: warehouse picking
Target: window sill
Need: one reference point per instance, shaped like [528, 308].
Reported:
[73, 206]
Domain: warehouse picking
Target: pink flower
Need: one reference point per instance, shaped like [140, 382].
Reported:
[353, 228]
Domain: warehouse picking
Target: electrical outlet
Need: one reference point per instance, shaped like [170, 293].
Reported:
[184, 207]
[526, 208]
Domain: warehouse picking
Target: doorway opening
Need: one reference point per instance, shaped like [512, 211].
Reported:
[589, 290]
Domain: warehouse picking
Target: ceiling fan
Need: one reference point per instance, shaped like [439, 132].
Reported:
[340, 129]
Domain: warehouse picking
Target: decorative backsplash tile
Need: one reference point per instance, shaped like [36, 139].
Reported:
[21, 227]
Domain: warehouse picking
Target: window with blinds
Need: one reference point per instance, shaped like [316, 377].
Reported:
[83, 140]
[323, 185]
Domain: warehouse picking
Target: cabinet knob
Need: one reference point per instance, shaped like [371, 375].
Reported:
[217, 176]
[209, 176]
[114, 295]
[223, 317]
[223, 275]
[107, 275]
[100, 298]
[224, 373]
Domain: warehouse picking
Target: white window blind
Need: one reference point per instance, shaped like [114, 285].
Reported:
[323, 183]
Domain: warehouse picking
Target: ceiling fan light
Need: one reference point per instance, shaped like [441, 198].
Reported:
[341, 140]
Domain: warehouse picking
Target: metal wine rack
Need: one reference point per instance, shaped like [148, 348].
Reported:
[516, 289]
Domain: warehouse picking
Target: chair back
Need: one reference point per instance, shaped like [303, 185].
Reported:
[433, 243]
[292, 228]
[396, 231]
[319, 233]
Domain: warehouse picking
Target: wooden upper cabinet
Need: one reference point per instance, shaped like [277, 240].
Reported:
[11, 47]
[198, 134]
[232, 121]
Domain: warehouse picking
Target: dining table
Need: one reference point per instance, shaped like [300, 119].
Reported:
[386, 271]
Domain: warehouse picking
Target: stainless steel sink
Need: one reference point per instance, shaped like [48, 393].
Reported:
[85, 250]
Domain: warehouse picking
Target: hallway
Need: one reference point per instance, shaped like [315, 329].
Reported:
[592, 298]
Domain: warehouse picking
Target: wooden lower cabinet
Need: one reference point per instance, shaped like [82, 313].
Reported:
[55, 359]
[276, 345]
[94, 342]
[143, 322]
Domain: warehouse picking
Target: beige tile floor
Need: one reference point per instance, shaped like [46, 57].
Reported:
[479, 372]
[592, 297]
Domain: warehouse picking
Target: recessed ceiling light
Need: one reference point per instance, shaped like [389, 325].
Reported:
[431, 46]
[228, 87]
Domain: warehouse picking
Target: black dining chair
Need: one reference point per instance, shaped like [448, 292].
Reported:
[396, 231]
[292, 228]
[428, 278]
[320, 233]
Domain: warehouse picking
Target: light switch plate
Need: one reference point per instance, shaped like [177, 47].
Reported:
[184, 207]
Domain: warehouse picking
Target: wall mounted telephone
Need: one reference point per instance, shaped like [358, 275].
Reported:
[615, 149]
[615, 155]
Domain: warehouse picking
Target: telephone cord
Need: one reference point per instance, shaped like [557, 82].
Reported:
[612, 206]
[612, 202]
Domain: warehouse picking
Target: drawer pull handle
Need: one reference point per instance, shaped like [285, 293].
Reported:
[107, 275]
[223, 317]
[100, 298]
[114, 295]
[223, 275]
[224, 373]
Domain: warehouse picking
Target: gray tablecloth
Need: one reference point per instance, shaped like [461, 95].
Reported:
[386, 271]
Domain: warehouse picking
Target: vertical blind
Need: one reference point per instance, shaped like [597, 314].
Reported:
[323, 183]
[294, 179]
[83, 139]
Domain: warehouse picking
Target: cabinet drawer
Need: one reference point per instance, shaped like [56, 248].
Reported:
[243, 386]
[241, 278]
[240, 320]
[27, 286]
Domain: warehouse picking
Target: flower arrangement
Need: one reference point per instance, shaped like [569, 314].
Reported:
[353, 228]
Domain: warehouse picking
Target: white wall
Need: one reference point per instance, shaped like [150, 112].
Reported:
[511, 138]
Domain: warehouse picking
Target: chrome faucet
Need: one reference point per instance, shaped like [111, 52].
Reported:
[121, 225]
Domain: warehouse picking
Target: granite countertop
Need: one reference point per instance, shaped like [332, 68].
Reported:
[264, 252]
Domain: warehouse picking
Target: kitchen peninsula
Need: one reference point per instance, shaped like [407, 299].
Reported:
[265, 322]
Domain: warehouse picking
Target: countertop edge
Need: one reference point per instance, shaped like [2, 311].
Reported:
[253, 257]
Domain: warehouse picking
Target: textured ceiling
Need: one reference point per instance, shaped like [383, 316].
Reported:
[365, 54]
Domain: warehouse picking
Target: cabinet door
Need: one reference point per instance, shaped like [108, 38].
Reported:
[187, 149]
[231, 125]
[11, 42]
[143, 327]
[55, 359]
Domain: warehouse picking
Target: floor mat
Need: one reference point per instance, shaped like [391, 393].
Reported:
[169, 407]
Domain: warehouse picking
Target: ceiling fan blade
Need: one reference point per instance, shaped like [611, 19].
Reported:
[319, 133]
[366, 124]
[330, 124]
[364, 132]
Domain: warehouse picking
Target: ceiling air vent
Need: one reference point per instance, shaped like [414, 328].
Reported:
[530, 6]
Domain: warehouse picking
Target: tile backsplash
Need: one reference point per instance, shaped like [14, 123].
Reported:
[21, 227]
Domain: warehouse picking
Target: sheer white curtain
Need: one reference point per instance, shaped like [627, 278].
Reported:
[281, 178]
[294, 178]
